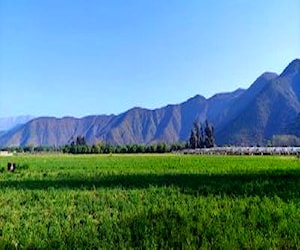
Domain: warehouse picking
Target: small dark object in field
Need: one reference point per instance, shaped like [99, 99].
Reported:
[11, 166]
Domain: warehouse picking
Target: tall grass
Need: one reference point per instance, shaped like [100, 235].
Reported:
[152, 201]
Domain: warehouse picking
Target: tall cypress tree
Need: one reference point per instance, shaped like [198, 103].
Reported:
[193, 139]
[209, 135]
[201, 137]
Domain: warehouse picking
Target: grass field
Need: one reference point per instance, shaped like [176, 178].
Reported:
[150, 201]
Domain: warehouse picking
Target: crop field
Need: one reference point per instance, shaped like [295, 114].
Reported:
[150, 201]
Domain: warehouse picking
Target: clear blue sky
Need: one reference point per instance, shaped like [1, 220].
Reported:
[83, 57]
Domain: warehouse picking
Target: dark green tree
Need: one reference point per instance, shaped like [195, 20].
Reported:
[209, 135]
[200, 138]
[161, 147]
[80, 140]
[193, 139]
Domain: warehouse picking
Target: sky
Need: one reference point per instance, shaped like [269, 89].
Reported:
[88, 57]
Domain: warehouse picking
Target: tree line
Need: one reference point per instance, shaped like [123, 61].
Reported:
[79, 146]
[101, 148]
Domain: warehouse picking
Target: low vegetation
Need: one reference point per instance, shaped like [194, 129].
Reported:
[81, 147]
[150, 201]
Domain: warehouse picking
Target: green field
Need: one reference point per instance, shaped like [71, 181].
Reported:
[150, 201]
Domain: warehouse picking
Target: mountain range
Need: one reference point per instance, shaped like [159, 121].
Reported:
[7, 123]
[270, 106]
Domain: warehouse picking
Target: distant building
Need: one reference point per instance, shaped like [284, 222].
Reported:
[5, 153]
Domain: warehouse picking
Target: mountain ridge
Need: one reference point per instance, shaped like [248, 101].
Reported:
[7, 123]
[270, 106]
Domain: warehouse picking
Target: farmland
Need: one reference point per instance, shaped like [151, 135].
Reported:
[150, 201]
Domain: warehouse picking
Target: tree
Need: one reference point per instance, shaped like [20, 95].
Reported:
[196, 137]
[200, 138]
[161, 147]
[80, 140]
[79, 146]
[193, 139]
[108, 149]
[209, 135]
[140, 148]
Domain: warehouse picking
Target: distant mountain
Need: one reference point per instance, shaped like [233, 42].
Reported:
[270, 106]
[7, 123]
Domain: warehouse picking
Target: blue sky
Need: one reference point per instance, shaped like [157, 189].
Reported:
[78, 57]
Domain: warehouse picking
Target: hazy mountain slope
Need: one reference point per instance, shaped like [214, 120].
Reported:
[53, 131]
[7, 123]
[220, 104]
[271, 105]
[244, 100]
